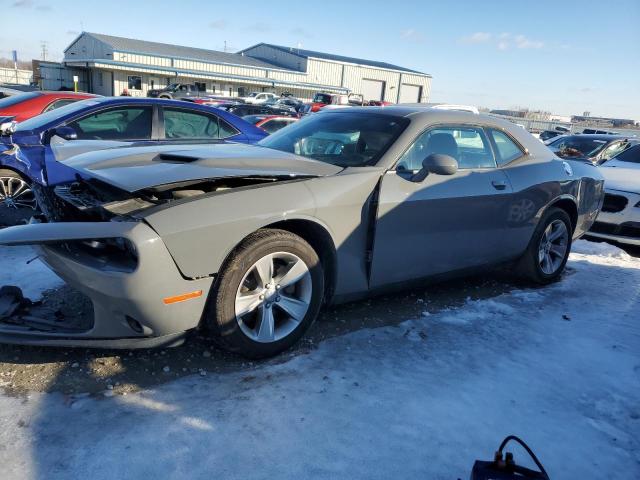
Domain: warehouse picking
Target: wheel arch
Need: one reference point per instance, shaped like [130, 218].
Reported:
[315, 234]
[320, 239]
[16, 171]
[569, 205]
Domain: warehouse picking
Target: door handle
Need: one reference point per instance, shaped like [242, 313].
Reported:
[498, 185]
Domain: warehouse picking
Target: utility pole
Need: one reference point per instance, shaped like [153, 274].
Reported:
[225, 46]
[44, 51]
[14, 54]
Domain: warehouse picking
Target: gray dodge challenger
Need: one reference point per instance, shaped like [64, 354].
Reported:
[248, 242]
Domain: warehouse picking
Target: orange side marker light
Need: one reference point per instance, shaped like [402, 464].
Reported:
[182, 298]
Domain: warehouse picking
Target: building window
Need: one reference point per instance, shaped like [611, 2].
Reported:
[242, 92]
[201, 86]
[100, 79]
[135, 82]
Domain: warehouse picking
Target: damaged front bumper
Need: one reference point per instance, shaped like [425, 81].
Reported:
[139, 297]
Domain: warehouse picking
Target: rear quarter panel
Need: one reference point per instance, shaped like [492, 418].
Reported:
[538, 183]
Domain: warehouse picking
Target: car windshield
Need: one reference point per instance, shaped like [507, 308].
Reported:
[578, 146]
[631, 155]
[353, 139]
[16, 99]
[173, 86]
[52, 115]
[253, 94]
[322, 98]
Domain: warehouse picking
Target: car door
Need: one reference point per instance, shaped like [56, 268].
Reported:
[111, 127]
[445, 222]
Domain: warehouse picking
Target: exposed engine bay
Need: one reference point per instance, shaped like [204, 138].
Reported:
[94, 200]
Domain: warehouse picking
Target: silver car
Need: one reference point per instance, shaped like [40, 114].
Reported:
[619, 219]
[248, 242]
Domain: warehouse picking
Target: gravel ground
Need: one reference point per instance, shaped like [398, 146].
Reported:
[26, 369]
[71, 371]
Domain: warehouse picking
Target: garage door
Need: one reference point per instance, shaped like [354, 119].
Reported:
[372, 89]
[410, 93]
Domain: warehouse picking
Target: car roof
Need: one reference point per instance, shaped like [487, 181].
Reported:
[596, 136]
[413, 111]
[149, 100]
[65, 92]
[430, 116]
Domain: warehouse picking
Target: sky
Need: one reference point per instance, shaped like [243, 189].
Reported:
[566, 56]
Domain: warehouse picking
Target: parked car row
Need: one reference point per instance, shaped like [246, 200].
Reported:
[595, 148]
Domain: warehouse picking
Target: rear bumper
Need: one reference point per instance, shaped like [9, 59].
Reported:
[129, 308]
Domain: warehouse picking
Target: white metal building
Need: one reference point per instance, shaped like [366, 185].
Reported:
[111, 64]
[10, 75]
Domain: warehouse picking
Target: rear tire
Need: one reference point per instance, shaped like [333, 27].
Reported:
[267, 295]
[17, 200]
[549, 248]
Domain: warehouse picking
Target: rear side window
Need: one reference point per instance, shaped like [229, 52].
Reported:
[186, 124]
[506, 149]
[226, 130]
[127, 123]
[59, 103]
[468, 145]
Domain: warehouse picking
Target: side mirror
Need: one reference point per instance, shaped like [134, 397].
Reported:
[64, 132]
[438, 164]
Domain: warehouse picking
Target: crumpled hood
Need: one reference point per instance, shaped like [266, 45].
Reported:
[623, 176]
[137, 168]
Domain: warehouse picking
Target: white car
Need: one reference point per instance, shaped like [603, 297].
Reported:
[619, 219]
[257, 98]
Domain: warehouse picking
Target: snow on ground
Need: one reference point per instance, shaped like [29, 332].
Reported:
[558, 366]
[17, 268]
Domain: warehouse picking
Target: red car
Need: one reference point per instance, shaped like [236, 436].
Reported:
[321, 100]
[270, 123]
[26, 105]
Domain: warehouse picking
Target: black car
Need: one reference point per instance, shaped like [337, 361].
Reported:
[549, 134]
[593, 148]
[243, 110]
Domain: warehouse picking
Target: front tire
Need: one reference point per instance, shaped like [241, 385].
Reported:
[549, 248]
[267, 295]
[17, 200]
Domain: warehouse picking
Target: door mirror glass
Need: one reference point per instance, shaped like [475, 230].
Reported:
[65, 132]
[438, 164]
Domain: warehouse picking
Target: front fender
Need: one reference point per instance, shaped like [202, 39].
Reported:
[201, 233]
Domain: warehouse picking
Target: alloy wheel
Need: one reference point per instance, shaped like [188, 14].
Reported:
[553, 247]
[273, 297]
[16, 193]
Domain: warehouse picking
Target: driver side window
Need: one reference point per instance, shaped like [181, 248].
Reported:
[468, 145]
[128, 123]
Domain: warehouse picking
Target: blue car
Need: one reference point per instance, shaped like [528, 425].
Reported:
[35, 151]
